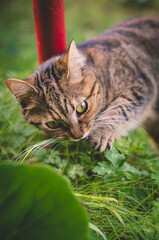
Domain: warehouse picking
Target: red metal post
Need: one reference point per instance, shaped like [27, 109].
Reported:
[49, 18]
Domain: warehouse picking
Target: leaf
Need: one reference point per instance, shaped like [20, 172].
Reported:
[115, 166]
[60, 163]
[103, 168]
[75, 170]
[37, 203]
[129, 170]
[114, 157]
[96, 229]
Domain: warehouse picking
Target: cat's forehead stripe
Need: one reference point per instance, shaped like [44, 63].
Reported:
[92, 90]
[38, 80]
[47, 71]
[53, 73]
[52, 111]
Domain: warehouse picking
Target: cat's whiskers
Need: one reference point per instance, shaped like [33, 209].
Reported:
[37, 150]
[43, 145]
[108, 109]
[115, 117]
[99, 117]
[105, 124]
[113, 120]
[115, 110]
[25, 153]
[115, 107]
[40, 147]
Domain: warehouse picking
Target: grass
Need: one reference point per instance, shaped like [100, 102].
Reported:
[123, 201]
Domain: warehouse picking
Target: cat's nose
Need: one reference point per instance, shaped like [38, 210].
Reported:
[76, 132]
[75, 128]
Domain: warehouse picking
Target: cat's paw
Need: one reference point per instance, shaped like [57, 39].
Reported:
[101, 142]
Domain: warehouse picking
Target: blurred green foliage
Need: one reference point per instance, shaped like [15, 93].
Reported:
[37, 203]
[138, 3]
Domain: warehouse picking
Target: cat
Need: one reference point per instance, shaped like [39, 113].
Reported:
[98, 90]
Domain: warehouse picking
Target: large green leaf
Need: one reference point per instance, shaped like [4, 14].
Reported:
[36, 203]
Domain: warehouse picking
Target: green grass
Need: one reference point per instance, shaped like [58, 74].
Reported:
[124, 203]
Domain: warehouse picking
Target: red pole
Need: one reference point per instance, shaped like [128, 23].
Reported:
[49, 19]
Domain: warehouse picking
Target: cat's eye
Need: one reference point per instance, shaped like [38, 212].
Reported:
[56, 124]
[82, 107]
[52, 124]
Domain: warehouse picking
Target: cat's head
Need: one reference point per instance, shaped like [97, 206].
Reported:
[61, 97]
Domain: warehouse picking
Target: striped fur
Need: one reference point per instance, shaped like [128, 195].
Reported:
[116, 74]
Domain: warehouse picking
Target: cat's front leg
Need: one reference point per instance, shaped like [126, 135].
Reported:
[116, 120]
[106, 127]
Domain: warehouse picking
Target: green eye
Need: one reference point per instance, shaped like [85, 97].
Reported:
[52, 124]
[57, 124]
[82, 107]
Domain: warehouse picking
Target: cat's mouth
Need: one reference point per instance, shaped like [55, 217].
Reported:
[78, 139]
[85, 135]
[72, 136]
[73, 139]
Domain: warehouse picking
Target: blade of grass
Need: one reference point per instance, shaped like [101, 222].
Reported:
[96, 229]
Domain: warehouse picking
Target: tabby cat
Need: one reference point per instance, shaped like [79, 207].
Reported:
[98, 90]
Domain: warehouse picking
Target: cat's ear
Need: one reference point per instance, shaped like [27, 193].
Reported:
[20, 88]
[74, 61]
